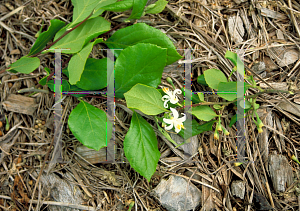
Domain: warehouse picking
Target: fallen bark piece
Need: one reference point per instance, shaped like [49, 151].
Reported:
[297, 98]
[261, 202]
[236, 29]
[276, 85]
[20, 104]
[92, 155]
[238, 188]
[287, 107]
[281, 172]
[284, 56]
[61, 190]
[176, 194]
[271, 13]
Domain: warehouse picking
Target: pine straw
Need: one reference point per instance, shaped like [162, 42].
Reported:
[200, 25]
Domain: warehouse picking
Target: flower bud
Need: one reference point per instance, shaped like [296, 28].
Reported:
[226, 133]
[237, 163]
[260, 130]
[295, 159]
[219, 126]
[260, 124]
[169, 80]
[216, 135]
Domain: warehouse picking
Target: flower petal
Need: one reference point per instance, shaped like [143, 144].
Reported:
[175, 113]
[165, 97]
[168, 121]
[182, 119]
[166, 103]
[169, 127]
[177, 128]
[174, 99]
[177, 91]
[165, 89]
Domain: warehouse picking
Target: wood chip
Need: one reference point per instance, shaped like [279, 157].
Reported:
[236, 29]
[284, 56]
[276, 85]
[15, 51]
[20, 104]
[281, 172]
[271, 14]
[92, 155]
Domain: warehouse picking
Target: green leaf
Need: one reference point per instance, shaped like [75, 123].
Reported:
[74, 88]
[236, 61]
[65, 86]
[138, 9]
[136, 65]
[140, 146]
[119, 6]
[201, 80]
[25, 65]
[203, 112]
[217, 107]
[247, 104]
[197, 129]
[195, 98]
[233, 119]
[43, 81]
[142, 33]
[99, 8]
[77, 62]
[90, 126]
[201, 96]
[213, 77]
[83, 8]
[80, 36]
[94, 76]
[45, 37]
[158, 7]
[146, 99]
[231, 56]
[231, 87]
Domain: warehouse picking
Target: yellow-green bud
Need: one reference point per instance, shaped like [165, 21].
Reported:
[295, 159]
[219, 126]
[237, 163]
[225, 131]
[216, 135]
[259, 123]
[260, 130]
[169, 80]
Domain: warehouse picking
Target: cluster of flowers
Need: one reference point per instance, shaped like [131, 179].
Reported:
[174, 121]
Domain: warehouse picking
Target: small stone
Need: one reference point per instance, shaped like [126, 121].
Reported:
[175, 192]
[259, 67]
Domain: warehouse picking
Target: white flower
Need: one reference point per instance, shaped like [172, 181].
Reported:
[171, 96]
[175, 121]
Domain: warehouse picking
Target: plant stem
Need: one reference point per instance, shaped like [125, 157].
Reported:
[62, 36]
[247, 97]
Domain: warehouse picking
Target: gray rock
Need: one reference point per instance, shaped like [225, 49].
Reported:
[174, 194]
